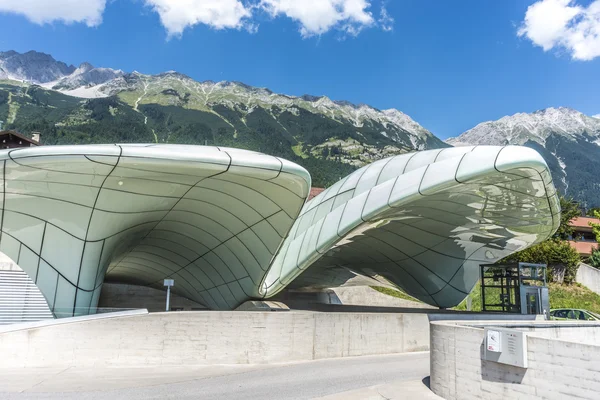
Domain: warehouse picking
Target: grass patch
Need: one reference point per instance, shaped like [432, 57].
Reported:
[297, 149]
[129, 97]
[394, 293]
[573, 296]
[475, 296]
[561, 296]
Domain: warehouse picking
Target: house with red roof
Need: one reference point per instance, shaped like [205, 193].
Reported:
[583, 239]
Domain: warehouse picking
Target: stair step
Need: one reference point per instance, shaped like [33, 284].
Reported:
[20, 299]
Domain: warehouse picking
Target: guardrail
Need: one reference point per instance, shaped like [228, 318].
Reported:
[61, 321]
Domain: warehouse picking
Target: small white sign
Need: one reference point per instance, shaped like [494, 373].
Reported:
[506, 346]
[494, 341]
[169, 282]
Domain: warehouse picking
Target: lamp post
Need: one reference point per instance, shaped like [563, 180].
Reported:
[168, 284]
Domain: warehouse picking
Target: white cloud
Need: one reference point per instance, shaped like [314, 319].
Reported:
[385, 20]
[317, 17]
[596, 116]
[67, 11]
[176, 15]
[564, 24]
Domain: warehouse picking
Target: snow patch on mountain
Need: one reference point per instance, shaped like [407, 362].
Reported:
[244, 99]
[86, 76]
[563, 167]
[521, 128]
[93, 92]
[568, 140]
[173, 88]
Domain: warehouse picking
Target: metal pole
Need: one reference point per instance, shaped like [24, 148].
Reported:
[168, 296]
[483, 308]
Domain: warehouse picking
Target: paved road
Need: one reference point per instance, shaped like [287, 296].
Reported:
[304, 380]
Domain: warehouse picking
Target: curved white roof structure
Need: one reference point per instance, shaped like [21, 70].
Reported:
[231, 225]
[423, 221]
[210, 218]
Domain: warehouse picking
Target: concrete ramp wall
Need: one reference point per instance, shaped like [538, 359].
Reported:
[560, 365]
[589, 277]
[196, 338]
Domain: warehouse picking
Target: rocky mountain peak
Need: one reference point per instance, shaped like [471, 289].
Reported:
[537, 126]
[83, 68]
[568, 140]
[176, 89]
[32, 67]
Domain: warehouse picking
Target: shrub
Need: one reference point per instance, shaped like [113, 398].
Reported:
[594, 259]
[556, 253]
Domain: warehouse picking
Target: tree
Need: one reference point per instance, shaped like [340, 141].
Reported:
[596, 227]
[555, 253]
[594, 259]
[569, 210]
[591, 212]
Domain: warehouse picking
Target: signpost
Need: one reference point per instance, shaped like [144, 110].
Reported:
[168, 284]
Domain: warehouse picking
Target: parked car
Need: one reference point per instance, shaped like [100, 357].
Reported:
[572, 313]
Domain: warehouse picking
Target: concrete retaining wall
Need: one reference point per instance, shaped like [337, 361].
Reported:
[195, 338]
[347, 296]
[116, 295]
[558, 369]
[364, 295]
[589, 277]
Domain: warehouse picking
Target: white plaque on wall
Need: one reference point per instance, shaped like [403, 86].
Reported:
[494, 341]
[506, 346]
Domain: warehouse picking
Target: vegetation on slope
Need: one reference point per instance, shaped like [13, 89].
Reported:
[328, 149]
[582, 161]
[561, 296]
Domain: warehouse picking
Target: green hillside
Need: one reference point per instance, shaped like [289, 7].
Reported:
[561, 296]
[582, 161]
[328, 148]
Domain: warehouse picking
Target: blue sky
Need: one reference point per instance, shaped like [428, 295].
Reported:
[448, 64]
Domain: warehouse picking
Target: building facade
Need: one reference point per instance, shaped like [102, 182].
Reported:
[15, 140]
[583, 239]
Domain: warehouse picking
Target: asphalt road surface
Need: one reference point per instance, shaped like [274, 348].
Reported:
[304, 380]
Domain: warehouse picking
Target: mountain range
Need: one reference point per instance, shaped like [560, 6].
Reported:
[568, 140]
[86, 104]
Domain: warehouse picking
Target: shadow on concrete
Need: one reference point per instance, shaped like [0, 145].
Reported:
[427, 381]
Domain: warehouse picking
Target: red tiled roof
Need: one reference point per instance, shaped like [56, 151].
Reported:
[583, 222]
[583, 248]
[314, 192]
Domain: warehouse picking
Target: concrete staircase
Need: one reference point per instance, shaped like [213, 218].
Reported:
[20, 299]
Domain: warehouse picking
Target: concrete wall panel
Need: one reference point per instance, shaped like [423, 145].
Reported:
[197, 338]
[559, 367]
[589, 277]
